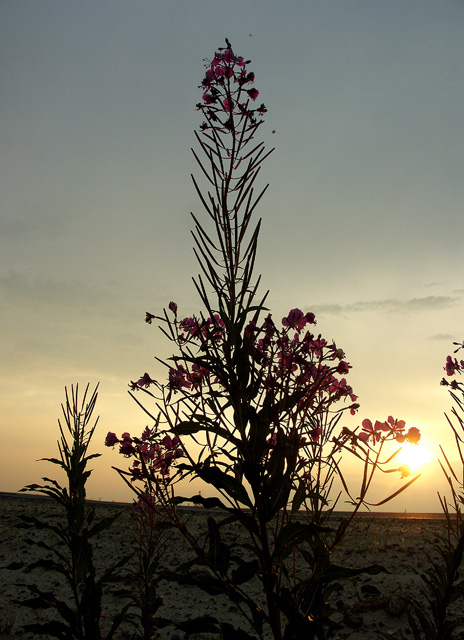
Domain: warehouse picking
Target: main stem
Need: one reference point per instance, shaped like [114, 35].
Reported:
[269, 581]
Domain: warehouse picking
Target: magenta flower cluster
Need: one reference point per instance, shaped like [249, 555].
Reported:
[389, 428]
[153, 456]
[286, 362]
[293, 360]
[211, 328]
[226, 85]
[454, 366]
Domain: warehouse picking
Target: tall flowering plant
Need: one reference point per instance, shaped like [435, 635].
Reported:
[443, 582]
[250, 405]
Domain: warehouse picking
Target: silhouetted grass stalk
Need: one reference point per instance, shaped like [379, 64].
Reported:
[72, 553]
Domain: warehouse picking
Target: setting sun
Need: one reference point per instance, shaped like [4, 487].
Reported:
[415, 456]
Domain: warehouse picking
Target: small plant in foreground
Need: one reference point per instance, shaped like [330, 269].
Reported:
[149, 535]
[251, 406]
[71, 551]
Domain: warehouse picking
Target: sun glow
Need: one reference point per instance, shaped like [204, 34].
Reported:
[415, 456]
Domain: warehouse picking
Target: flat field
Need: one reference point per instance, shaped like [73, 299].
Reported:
[370, 606]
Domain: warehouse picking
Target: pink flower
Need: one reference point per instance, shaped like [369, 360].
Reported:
[317, 345]
[146, 433]
[149, 317]
[111, 439]
[343, 367]
[228, 104]
[208, 98]
[210, 76]
[170, 443]
[285, 363]
[253, 93]
[145, 381]
[315, 433]
[191, 325]
[244, 78]
[396, 424]
[368, 430]
[269, 326]
[229, 56]
[413, 435]
[177, 378]
[272, 441]
[297, 320]
[197, 375]
[126, 447]
[217, 325]
[173, 307]
[250, 328]
[451, 366]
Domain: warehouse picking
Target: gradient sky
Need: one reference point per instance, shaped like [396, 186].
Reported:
[362, 223]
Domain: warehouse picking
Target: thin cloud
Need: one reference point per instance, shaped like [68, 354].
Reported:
[67, 325]
[389, 305]
[57, 301]
[50, 292]
[441, 337]
[44, 228]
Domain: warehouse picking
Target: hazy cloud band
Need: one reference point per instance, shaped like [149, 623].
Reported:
[389, 305]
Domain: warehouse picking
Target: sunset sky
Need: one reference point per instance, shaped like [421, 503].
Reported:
[363, 221]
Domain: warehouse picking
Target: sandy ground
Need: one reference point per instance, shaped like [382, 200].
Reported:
[374, 606]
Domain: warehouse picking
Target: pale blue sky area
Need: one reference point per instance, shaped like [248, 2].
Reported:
[362, 222]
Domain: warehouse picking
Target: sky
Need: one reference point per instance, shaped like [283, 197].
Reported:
[362, 222]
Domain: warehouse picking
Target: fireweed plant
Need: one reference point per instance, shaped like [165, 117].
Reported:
[259, 400]
[149, 535]
[444, 585]
[71, 553]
